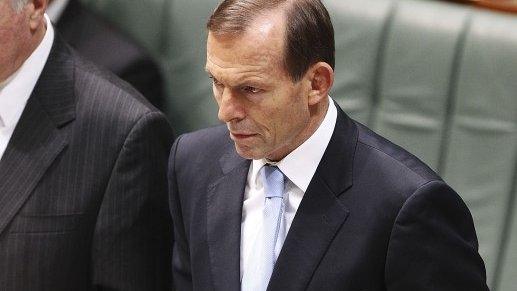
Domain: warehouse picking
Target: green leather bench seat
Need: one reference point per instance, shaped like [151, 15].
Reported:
[437, 78]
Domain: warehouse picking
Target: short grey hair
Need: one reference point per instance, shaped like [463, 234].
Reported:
[18, 4]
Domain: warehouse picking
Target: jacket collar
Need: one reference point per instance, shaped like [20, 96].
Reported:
[39, 136]
[320, 214]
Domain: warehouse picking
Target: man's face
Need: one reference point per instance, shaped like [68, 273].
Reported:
[267, 114]
[15, 37]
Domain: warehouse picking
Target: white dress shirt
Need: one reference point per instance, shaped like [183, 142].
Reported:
[16, 90]
[299, 167]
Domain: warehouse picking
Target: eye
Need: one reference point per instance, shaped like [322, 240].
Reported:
[250, 89]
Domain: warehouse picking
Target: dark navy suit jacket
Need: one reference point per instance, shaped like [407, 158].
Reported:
[374, 217]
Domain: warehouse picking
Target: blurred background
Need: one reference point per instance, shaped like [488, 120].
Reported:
[436, 77]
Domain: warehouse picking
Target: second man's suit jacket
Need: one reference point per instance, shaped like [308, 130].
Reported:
[374, 217]
[83, 185]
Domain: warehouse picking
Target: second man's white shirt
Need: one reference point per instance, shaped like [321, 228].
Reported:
[16, 90]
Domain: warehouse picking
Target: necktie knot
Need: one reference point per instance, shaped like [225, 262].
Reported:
[273, 180]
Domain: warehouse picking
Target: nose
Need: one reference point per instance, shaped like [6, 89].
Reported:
[230, 107]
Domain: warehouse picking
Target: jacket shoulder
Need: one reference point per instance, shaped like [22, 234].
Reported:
[99, 88]
[109, 110]
[203, 145]
[389, 165]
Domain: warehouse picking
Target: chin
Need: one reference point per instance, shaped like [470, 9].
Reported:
[248, 153]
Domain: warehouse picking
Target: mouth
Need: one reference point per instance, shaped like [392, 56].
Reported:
[241, 136]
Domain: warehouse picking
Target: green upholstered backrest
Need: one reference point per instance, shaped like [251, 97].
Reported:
[174, 32]
[481, 150]
[508, 265]
[437, 78]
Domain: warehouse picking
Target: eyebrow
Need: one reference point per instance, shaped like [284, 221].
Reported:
[210, 75]
[240, 82]
[207, 70]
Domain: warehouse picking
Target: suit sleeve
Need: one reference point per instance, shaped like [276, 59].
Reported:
[133, 233]
[181, 270]
[433, 244]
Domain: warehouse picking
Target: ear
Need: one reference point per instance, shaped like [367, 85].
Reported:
[321, 77]
[35, 9]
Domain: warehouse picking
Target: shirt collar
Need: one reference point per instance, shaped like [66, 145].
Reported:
[3, 103]
[16, 90]
[300, 165]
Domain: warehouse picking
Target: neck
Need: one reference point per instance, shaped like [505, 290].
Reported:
[24, 54]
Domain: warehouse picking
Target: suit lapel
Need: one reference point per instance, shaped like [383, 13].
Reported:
[224, 214]
[320, 214]
[39, 136]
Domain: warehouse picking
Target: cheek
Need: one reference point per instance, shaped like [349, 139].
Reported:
[283, 121]
[280, 115]
[296, 105]
[8, 43]
[296, 115]
[12, 34]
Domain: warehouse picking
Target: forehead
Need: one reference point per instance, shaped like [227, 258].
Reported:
[259, 47]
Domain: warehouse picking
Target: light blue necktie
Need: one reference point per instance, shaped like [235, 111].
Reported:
[269, 242]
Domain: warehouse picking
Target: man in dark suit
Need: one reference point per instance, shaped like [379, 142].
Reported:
[102, 43]
[83, 185]
[292, 194]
